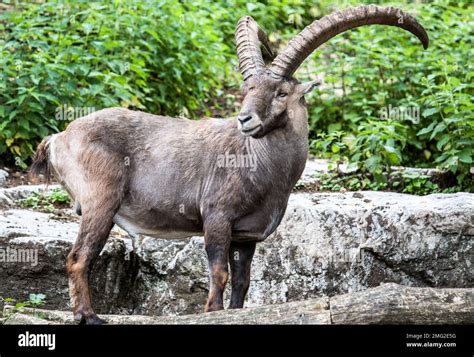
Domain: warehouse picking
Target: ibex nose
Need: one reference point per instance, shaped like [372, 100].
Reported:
[244, 118]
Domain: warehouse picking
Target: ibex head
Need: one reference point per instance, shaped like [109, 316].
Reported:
[271, 93]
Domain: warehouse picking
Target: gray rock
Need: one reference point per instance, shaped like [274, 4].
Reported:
[3, 178]
[327, 244]
[11, 196]
[333, 243]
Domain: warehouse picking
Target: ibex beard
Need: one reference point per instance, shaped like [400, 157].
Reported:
[161, 177]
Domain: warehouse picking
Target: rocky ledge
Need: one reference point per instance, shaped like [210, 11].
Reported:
[328, 244]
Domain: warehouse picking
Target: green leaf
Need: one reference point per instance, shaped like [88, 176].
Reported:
[428, 112]
[442, 141]
[334, 127]
[37, 299]
[438, 129]
[390, 149]
[454, 81]
[87, 28]
[465, 156]
[373, 163]
[426, 130]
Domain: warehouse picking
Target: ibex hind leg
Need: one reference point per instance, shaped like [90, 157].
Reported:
[96, 224]
[99, 202]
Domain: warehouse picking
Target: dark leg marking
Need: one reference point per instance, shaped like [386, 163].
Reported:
[240, 258]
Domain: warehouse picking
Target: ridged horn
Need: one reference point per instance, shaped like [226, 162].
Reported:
[322, 30]
[248, 37]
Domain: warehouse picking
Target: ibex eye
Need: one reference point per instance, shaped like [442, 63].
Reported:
[282, 94]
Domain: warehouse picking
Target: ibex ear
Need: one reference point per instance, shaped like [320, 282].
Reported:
[304, 88]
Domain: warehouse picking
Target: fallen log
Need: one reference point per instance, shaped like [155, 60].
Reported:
[397, 304]
[386, 304]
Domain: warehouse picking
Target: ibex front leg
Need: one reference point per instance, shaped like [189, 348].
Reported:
[240, 256]
[217, 240]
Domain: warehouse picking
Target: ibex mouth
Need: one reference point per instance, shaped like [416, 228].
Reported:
[252, 131]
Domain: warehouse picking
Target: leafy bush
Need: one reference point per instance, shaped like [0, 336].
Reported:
[151, 55]
[405, 182]
[370, 73]
[62, 60]
[173, 58]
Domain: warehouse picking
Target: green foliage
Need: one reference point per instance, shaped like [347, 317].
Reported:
[450, 114]
[405, 182]
[62, 59]
[372, 73]
[334, 145]
[154, 55]
[34, 301]
[377, 145]
[58, 196]
[46, 202]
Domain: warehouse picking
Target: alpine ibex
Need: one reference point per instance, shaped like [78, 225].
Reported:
[229, 179]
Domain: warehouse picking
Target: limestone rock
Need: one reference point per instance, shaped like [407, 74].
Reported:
[3, 178]
[327, 244]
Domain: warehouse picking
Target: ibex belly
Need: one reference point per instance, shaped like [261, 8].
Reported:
[171, 225]
[138, 228]
[161, 220]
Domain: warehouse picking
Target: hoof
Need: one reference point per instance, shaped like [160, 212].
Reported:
[213, 307]
[90, 319]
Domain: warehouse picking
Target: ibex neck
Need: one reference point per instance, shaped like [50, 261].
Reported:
[281, 154]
